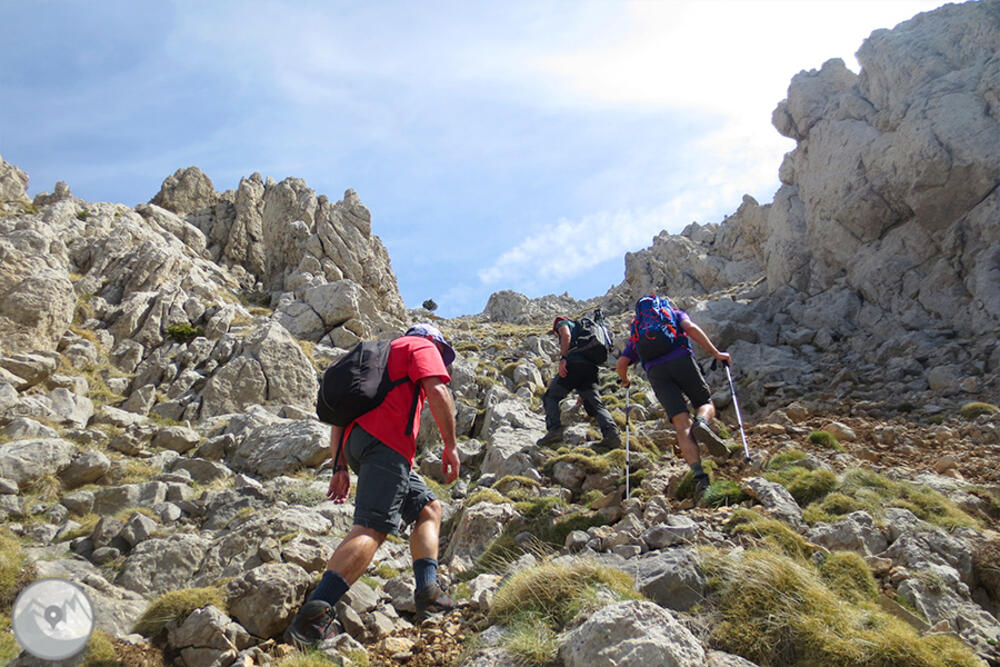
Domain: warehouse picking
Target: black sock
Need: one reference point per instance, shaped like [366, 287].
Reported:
[424, 573]
[331, 588]
[697, 469]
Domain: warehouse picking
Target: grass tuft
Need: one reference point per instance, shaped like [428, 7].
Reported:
[977, 408]
[825, 440]
[175, 606]
[16, 571]
[772, 532]
[559, 592]
[775, 610]
[723, 492]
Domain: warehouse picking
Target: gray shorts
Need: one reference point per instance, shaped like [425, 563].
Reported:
[389, 494]
[673, 380]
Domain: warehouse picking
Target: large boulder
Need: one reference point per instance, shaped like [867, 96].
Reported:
[264, 599]
[272, 368]
[631, 633]
[23, 461]
[163, 564]
[282, 448]
[36, 295]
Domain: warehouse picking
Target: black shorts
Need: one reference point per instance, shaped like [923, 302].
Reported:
[389, 493]
[673, 380]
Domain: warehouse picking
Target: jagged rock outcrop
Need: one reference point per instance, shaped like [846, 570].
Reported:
[13, 183]
[884, 227]
[516, 308]
[288, 241]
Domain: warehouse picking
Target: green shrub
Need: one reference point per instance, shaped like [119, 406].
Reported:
[182, 333]
[82, 214]
[825, 440]
[977, 408]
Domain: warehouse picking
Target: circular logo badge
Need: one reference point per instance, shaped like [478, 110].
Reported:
[52, 619]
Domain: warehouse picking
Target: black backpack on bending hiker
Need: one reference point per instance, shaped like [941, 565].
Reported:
[591, 338]
[357, 383]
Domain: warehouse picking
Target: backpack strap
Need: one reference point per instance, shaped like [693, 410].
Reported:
[413, 408]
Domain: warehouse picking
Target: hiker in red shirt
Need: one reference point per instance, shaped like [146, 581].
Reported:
[380, 450]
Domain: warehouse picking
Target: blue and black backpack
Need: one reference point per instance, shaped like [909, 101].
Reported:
[656, 328]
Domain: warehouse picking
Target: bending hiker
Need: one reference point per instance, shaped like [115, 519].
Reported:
[380, 450]
[577, 371]
[661, 339]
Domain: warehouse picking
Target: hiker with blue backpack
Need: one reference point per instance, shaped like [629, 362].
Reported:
[660, 338]
[583, 345]
[372, 398]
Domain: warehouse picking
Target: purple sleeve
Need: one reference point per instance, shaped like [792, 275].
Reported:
[630, 352]
[681, 315]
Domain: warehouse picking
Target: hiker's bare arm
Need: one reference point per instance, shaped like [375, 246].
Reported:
[700, 337]
[564, 339]
[443, 410]
[622, 367]
[340, 483]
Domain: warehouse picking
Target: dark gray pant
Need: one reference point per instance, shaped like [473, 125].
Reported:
[581, 376]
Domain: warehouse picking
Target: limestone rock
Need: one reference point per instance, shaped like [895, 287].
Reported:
[13, 183]
[163, 564]
[634, 632]
[25, 460]
[186, 191]
[265, 598]
[282, 448]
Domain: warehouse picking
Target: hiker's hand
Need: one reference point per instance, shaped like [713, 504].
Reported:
[340, 485]
[624, 381]
[562, 368]
[450, 464]
[723, 357]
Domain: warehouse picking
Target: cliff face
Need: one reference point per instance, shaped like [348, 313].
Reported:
[884, 232]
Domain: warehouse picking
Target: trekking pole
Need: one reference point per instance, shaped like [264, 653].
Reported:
[628, 464]
[736, 404]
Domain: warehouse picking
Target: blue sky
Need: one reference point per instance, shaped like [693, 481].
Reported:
[515, 145]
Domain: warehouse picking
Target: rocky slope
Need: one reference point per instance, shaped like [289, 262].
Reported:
[158, 367]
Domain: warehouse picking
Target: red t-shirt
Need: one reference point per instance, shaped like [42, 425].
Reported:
[417, 358]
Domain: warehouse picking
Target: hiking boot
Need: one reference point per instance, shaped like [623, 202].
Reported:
[553, 436]
[701, 484]
[612, 440]
[432, 600]
[704, 435]
[314, 623]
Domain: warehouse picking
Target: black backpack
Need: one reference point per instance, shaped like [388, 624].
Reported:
[357, 383]
[591, 339]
